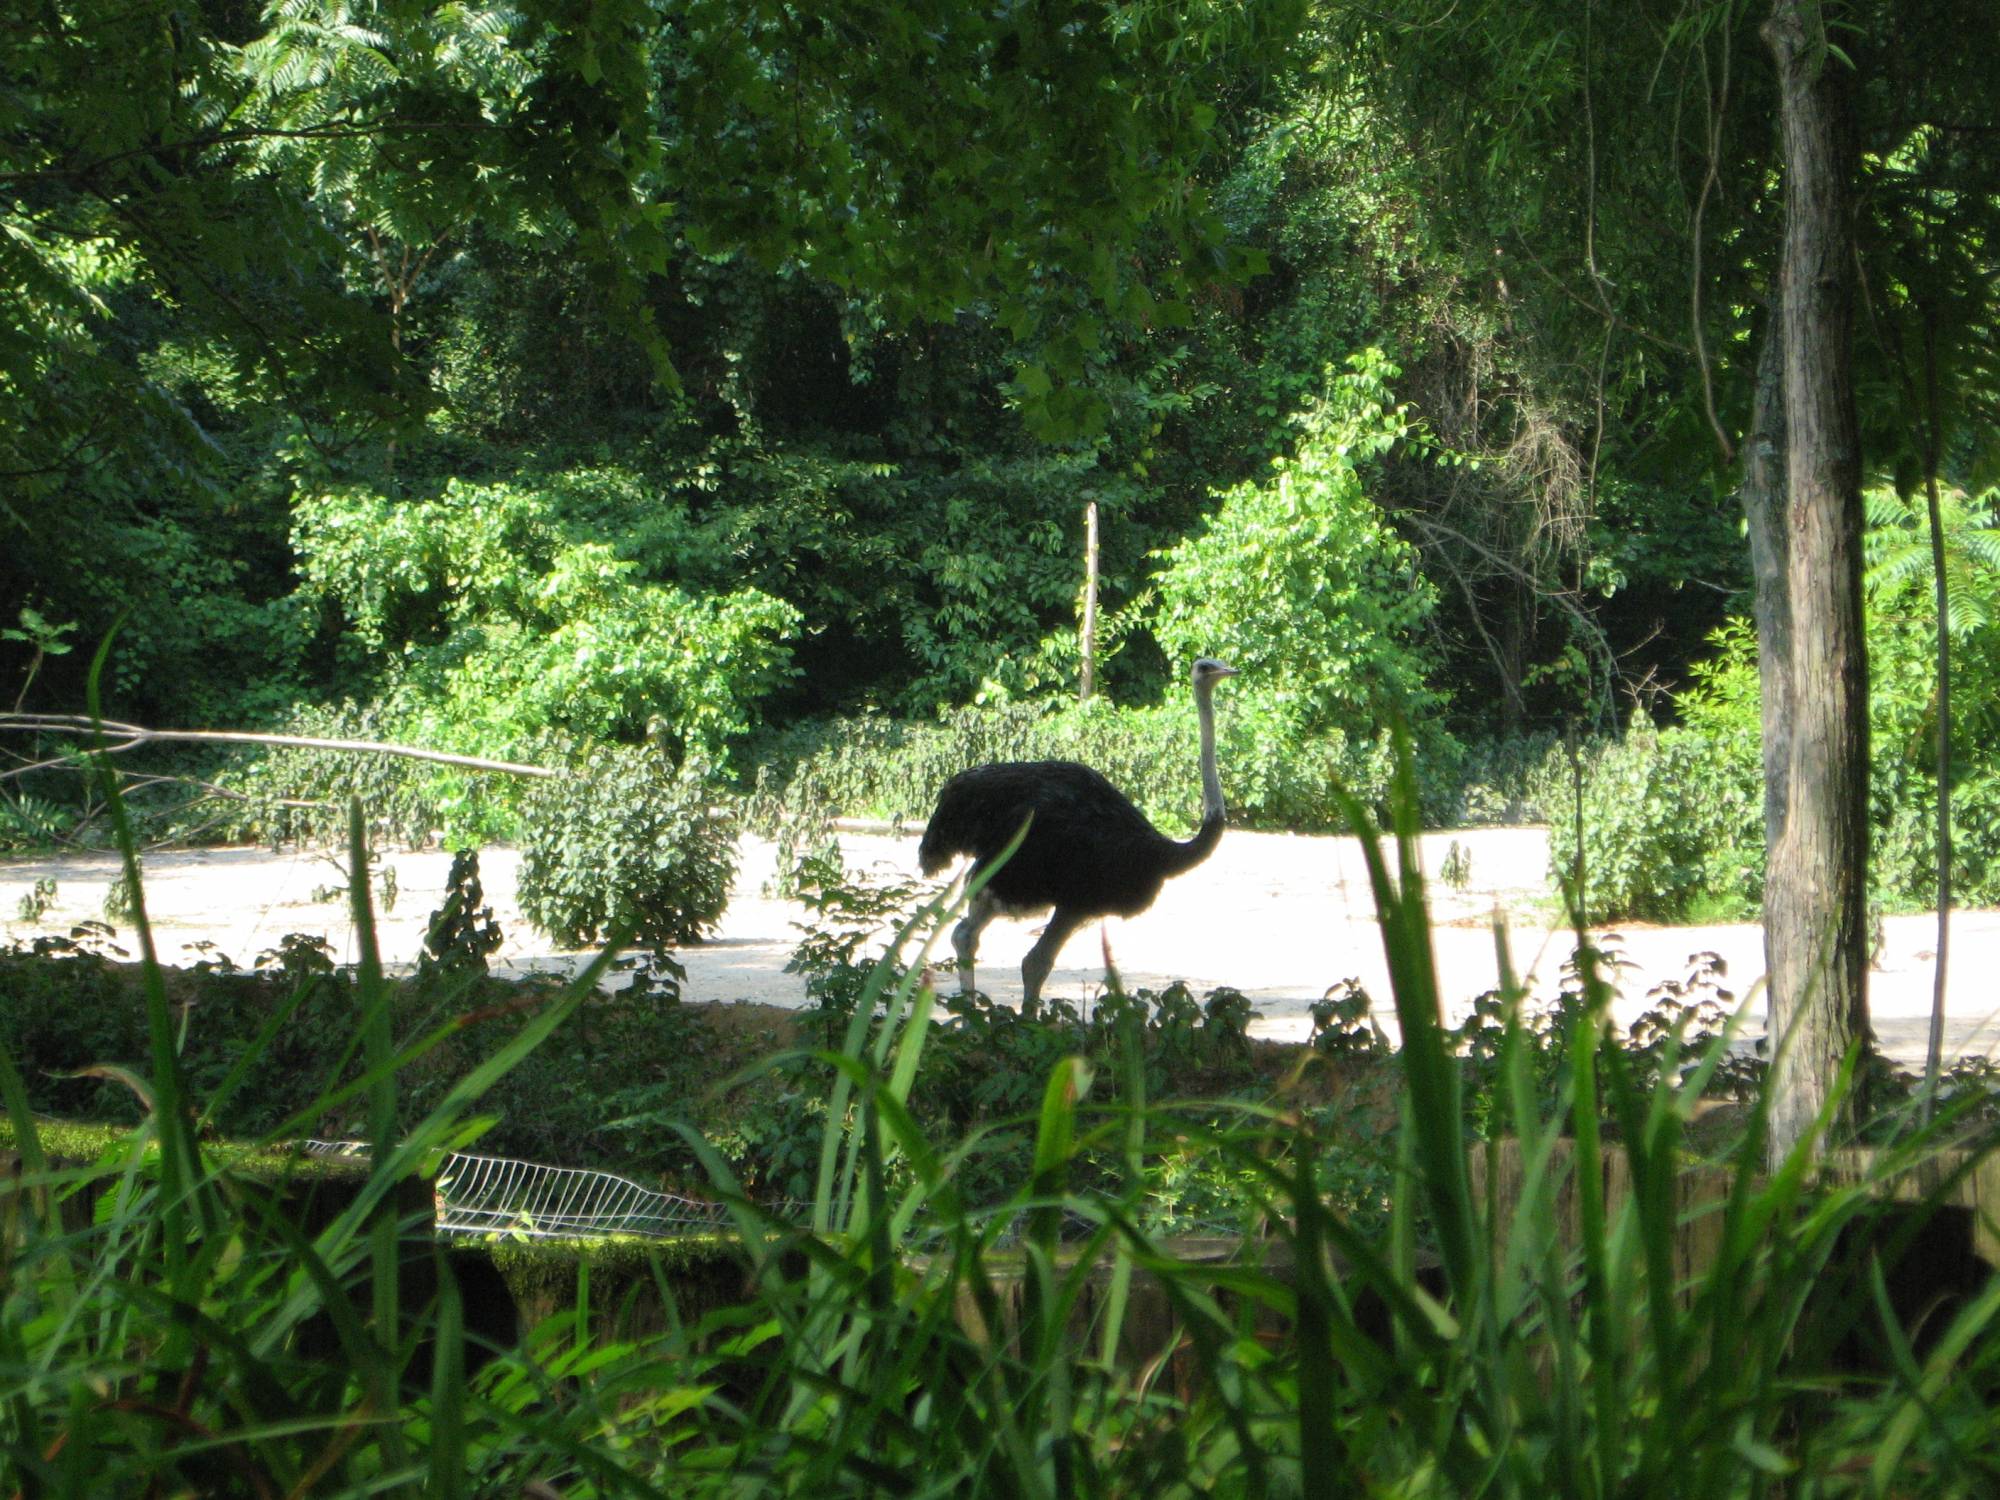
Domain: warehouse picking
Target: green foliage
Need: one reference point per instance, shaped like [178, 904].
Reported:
[40, 897]
[282, 795]
[871, 1308]
[119, 901]
[844, 918]
[504, 610]
[30, 824]
[1673, 824]
[461, 934]
[1903, 704]
[625, 846]
[1273, 775]
[44, 637]
[1645, 854]
[284, 1030]
[1299, 583]
[603, 1090]
[261, 251]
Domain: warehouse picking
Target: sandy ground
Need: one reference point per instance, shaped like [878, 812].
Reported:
[1280, 917]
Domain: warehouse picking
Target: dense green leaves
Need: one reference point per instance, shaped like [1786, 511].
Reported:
[626, 847]
[1672, 819]
[501, 611]
[255, 250]
[1299, 583]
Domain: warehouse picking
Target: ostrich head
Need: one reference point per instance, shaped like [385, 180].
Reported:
[1208, 672]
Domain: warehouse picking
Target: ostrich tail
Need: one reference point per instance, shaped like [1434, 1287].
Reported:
[932, 856]
[945, 835]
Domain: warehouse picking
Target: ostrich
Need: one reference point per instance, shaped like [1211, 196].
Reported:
[1088, 852]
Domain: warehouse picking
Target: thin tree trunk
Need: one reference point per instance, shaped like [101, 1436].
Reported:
[1933, 444]
[1815, 907]
[1763, 496]
[1088, 684]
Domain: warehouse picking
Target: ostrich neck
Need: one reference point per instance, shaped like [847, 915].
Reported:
[1211, 783]
[1187, 855]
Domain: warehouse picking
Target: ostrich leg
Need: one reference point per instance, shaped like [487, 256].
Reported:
[965, 936]
[1042, 957]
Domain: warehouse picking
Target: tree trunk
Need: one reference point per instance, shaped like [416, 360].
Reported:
[1087, 686]
[1815, 906]
[1763, 496]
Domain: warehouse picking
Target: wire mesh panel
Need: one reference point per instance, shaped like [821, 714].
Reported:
[489, 1195]
[480, 1196]
[496, 1195]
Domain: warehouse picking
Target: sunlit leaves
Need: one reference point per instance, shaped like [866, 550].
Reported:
[1898, 555]
[496, 612]
[1298, 582]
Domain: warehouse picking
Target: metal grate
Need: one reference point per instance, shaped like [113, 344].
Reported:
[495, 1195]
[480, 1196]
[489, 1195]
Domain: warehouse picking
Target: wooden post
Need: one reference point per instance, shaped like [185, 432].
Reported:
[1088, 683]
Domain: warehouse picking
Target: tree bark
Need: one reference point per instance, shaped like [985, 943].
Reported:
[1815, 906]
[1763, 496]
[1088, 643]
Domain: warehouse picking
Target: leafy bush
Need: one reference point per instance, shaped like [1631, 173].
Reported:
[1903, 709]
[1300, 584]
[283, 795]
[1673, 819]
[1272, 775]
[571, 602]
[625, 845]
[1673, 824]
[76, 1012]
[1498, 780]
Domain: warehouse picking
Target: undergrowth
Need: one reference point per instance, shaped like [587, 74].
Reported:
[912, 1327]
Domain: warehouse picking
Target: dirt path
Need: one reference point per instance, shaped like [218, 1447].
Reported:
[1280, 917]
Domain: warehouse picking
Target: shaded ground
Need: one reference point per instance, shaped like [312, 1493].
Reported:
[1280, 917]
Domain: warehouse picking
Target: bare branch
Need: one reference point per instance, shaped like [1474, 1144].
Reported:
[1718, 108]
[133, 735]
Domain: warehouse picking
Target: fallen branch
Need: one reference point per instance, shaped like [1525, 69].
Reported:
[130, 736]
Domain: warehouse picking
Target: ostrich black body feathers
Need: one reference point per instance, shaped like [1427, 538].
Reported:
[1088, 849]
[1088, 852]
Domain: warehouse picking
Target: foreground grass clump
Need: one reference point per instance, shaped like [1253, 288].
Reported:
[890, 1337]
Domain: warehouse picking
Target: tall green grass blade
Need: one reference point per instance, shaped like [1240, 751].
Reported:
[1319, 1448]
[447, 1477]
[1430, 1074]
[377, 1027]
[34, 1161]
[1605, 1316]
[832, 1194]
[1055, 1146]
[1920, 1405]
[385, 1231]
[220, 1097]
[1132, 1076]
[180, 1154]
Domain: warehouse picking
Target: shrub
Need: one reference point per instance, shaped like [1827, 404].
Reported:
[1273, 775]
[1724, 705]
[1299, 583]
[512, 609]
[1501, 781]
[296, 796]
[1673, 825]
[623, 844]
